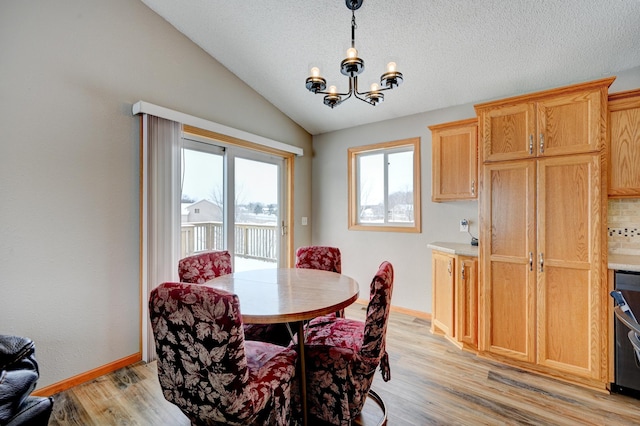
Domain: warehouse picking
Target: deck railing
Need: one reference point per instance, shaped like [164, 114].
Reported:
[253, 241]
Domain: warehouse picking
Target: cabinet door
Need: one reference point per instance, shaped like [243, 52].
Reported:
[571, 123]
[455, 160]
[508, 248]
[571, 309]
[506, 132]
[624, 144]
[443, 296]
[467, 301]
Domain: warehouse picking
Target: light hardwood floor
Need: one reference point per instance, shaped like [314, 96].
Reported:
[432, 383]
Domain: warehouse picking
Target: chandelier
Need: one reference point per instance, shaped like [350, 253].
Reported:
[352, 66]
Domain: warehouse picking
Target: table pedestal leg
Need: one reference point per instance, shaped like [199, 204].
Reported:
[303, 373]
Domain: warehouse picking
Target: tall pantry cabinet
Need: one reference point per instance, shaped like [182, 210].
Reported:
[543, 293]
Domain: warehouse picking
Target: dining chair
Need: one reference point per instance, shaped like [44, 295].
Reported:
[341, 357]
[202, 267]
[208, 369]
[325, 258]
[319, 257]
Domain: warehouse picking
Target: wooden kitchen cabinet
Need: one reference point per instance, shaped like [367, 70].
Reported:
[542, 276]
[455, 298]
[466, 301]
[508, 283]
[543, 288]
[624, 144]
[454, 160]
[555, 122]
[442, 281]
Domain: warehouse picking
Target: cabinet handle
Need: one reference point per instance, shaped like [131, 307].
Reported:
[541, 263]
[449, 268]
[541, 143]
[462, 272]
[473, 187]
[530, 261]
[531, 144]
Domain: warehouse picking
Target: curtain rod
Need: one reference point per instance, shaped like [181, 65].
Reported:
[142, 107]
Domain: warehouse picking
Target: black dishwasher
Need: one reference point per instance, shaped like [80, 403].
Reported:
[627, 368]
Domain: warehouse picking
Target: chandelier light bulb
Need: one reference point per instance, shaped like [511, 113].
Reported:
[351, 67]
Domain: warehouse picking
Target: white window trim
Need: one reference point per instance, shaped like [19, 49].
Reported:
[142, 107]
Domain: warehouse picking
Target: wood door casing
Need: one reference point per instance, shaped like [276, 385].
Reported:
[508, 281]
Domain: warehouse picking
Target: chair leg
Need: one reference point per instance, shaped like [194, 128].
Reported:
[376, 398]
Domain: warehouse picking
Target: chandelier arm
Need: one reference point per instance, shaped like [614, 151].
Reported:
[351, 67]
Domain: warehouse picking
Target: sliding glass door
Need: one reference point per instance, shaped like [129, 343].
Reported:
[232, 198]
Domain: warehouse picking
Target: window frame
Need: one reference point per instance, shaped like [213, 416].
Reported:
[353, 190]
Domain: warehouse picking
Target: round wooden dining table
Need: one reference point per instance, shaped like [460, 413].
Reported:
[289, 295]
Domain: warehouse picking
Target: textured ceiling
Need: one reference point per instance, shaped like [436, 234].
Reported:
[450, 52]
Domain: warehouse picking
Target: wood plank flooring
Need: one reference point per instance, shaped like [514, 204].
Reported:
[432, 383]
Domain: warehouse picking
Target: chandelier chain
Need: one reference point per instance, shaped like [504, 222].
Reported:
[351, 67]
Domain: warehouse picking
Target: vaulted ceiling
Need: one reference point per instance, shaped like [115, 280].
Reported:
[450, 52]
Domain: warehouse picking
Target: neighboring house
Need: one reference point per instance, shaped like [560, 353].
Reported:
[201, 211]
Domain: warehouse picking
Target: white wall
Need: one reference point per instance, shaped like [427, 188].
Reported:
[69, 166]
[362, 251]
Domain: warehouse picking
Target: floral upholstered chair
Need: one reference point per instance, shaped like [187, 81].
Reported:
[204, 266]
[319, 257]
[205, 366]
[342, 356]
[324, 258]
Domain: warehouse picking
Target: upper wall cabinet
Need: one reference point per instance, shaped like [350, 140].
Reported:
[554, 122]
[624, 144]
[455, 160]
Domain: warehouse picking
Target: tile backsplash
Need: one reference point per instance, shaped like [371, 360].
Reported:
[624, 226]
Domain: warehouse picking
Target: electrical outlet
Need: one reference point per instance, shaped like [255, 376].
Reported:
[464, 225]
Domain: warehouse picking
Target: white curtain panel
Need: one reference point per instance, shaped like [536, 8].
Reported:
[161, 144]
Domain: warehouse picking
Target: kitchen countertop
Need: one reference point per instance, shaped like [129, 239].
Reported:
[455, 248]
[624, 262]
[618, 262]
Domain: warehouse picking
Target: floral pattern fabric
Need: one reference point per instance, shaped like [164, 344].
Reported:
[320, 257]
[202, 267]
[205, 366]
[342, 355]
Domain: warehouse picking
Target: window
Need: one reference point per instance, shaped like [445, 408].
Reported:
[239, 194]
[384, 186]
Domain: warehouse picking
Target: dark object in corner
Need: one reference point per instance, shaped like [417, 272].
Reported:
[18, 376]
[474, 241]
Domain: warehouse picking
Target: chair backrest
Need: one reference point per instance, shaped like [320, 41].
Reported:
[202, 267]
[375, 327]
[319, 257]
[198, 329]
